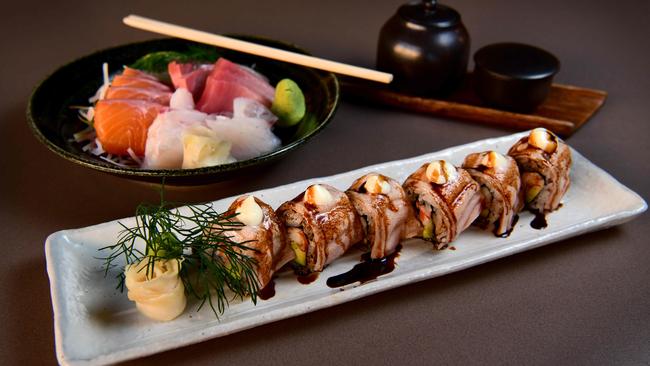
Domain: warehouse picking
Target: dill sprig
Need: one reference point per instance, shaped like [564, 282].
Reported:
[199, 236]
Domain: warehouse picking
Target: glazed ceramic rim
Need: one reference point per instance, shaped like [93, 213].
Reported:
[332, 82]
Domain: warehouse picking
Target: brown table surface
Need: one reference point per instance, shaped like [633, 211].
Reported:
[585, 300]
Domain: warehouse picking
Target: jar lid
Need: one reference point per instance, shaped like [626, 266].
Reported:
[429, 13]
[517, 60]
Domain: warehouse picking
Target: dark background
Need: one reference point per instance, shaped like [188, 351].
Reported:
[581, 301]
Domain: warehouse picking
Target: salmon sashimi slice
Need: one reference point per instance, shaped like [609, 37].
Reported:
[219, 95]
[128, 92]
[137, 73]
[123, 123]
[139, 82]
[189, 76]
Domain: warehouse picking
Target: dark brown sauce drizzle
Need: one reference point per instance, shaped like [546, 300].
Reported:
[308, 278]
[539, 222]
[268, 291]
[452, 248]
[368, 270]
[512, 227]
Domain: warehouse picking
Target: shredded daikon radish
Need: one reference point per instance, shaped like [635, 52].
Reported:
[101, 92]
[87, 113]
[109, 159]
[85, 135]
[134, 156]
[100, 148]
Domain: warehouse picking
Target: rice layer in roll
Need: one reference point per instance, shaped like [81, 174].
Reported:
[386, 214]
[445, 198]
[321, 225]
[544, 162]
[262, 231]
[498, 177]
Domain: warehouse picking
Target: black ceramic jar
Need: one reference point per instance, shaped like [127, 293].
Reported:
[426, 47]
[514, 76]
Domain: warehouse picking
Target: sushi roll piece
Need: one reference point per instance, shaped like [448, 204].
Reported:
[322, 224]
[446, 201]
[386, 215]
[544, 162]
[263, 232]
[500, 188]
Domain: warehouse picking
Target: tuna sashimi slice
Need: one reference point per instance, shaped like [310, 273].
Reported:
[139, 82]
[128, 92]
[189, 76]
[229, 71]
[219, 95]
[123, 123]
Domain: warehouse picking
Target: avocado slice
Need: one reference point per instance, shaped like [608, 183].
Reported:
[301, 256]
[427, 232]
[532, 193]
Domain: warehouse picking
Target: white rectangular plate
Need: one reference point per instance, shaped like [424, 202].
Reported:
[96, 324]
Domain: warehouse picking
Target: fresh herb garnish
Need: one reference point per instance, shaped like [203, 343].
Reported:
[156, 62]
[198, 235]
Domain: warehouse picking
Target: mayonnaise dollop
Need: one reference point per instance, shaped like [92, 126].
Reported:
[542, 139]
[249, 212]
[441, 172]
[494, 160]
[319, 195]
[159, 292]
[377, 185]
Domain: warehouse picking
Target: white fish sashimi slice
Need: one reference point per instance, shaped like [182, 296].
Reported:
[182, 99]
[250, 137]
[164, 148]
[250, 108]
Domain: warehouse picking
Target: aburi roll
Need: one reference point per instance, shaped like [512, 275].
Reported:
[446, 200]
[386, 215]
[321, 225]
[544, 162]
[500, 189]
[262, 232]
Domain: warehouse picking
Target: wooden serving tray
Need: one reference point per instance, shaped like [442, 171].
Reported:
[564, 111]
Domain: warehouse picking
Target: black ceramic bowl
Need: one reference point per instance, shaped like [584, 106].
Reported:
[54, 122]
[514, 76]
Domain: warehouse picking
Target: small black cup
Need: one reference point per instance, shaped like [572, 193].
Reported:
[514, 76]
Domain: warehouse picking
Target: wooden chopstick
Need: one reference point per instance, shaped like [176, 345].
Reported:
[564, 111]
[177, 31]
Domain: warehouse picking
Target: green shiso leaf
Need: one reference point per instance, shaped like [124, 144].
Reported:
[156, 62]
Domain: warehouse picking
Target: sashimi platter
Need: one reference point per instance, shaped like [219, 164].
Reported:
[181, 110]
